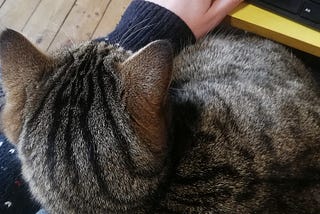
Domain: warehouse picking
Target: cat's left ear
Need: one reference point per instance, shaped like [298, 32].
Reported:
[147, 75]
[22, 64]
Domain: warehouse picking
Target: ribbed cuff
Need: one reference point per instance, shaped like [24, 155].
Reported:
[144, 22]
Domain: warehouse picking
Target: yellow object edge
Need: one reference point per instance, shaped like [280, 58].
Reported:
[267, 24]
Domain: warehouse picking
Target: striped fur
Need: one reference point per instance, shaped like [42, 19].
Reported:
[245, 132]
[86, 139]
[250, 114]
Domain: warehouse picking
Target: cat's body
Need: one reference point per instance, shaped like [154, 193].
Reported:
[244, 133]
[250, 113]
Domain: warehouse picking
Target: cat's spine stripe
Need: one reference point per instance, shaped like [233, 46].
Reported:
[84, 97]
[87, 136]
[69, 154]
[54, 127]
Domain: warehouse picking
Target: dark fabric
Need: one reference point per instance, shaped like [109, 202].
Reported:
[144, 22]
[14, 194]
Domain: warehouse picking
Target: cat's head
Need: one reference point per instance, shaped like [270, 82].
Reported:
[94, 97]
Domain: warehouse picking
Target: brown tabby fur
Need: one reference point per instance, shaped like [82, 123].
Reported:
[231, 125]
[21, 73]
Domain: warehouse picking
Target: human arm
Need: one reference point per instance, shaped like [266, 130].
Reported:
[200, 15]
[147, 21]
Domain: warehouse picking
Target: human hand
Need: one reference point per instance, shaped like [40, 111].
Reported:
[200, 15]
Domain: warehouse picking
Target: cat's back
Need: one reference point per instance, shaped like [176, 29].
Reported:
[230, 56]
[247, 113]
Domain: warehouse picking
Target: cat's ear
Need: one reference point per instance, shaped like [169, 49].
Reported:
[147, 76]
[22, 64]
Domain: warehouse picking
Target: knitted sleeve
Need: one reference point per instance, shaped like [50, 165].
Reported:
[144, 22]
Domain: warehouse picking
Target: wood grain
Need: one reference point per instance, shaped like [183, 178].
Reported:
[80, 23]
[111, 17]
[16, 13]
[1, 3]
[45, 23]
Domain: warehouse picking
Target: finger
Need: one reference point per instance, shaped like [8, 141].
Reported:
[219, 10]
[223, 6]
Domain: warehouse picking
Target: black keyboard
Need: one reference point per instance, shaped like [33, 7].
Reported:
[306, 12]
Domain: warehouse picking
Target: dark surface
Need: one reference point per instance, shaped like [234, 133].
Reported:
[311, 61]
[306, 12]
[14, 192]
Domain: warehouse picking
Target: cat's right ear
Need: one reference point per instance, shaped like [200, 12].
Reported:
[147, 76]
[22, 64]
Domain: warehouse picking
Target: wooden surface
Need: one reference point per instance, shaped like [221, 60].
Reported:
[16, 13]
[44, 24]
[277, 28]
[53, 23]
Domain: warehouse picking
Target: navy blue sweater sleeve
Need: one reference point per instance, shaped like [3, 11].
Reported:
[144, 22]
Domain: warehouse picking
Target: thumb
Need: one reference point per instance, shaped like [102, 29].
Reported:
[220, 9]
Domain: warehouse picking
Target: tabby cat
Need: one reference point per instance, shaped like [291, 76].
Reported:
[230, 125]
